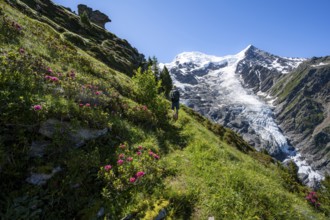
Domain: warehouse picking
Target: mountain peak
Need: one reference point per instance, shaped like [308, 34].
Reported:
[196, 57]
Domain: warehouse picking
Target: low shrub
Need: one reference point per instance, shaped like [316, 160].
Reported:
[133, 171]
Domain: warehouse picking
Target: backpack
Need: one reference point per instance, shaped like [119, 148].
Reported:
[175, 96]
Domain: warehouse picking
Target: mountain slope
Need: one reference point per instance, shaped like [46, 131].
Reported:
[98, 42]
[222, 89]
[235, 91]
[302, 109]
[76, 141]
[260, 70]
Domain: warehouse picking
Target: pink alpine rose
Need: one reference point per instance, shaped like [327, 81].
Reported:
[37, 107]
[107, 167]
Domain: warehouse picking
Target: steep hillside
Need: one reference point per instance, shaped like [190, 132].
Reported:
[98, 42]
[80, 140]
[303, 110]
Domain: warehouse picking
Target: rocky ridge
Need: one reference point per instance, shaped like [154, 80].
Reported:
[96, 16]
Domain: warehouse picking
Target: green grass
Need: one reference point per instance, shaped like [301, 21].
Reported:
[204, 169]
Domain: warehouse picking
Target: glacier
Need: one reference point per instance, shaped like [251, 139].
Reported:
[219, 86]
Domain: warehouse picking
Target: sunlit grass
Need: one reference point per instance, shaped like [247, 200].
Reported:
[201, 172]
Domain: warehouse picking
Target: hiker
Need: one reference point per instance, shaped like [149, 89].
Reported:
[175, 98]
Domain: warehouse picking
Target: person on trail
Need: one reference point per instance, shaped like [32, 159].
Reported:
[175, 98]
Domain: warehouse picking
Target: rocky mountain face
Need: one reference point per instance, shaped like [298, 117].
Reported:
[303, 110]
[238, 91]
[96, 16]
[260, 70]
[100, 43]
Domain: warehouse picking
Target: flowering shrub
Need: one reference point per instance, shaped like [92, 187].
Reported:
[91, 94]
[10, 29]
[312, 198]
[135, 168]
[146, 89]
[20, 84]
[140, 114]
[37, 107]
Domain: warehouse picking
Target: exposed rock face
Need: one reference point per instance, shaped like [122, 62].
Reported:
[96, 17]
[76, 137]
[102, 44]
[261, 70]
[42, 178]
[38, 148]
[303, 110]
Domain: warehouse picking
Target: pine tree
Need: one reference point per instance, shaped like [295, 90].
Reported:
[166, 81]
[152, 63]
[154, 67]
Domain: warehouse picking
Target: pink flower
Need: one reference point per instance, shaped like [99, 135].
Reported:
[139, 174]
[49, 70]
[72, 74]
[121, 156]
[122, 146]
[138, 153]
[107, 167]
[140, 147]
[97, 93]
[151, 153]
[37, 107]
[81, 105]
[54, 79]
[145, 108]
[120, 162]
[48, 77]
[129, 159]
[21, 51]
[18, 27]
[156, 156]
[132, 179]
[87, 105]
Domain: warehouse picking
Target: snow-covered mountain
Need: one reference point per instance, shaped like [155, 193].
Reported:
[232, 90]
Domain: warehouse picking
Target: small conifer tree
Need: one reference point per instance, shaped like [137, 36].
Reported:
[166, 82]
[154, 67]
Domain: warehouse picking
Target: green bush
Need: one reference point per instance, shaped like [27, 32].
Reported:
[146, 89]
[141, 114]
[10, 30]
[133, 171]
[75, 39]
[21, 87]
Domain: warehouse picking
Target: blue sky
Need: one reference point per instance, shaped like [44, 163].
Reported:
[165, 28]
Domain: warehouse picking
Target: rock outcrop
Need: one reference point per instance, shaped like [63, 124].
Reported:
[102, 44]
[96, 17]
[77, 137]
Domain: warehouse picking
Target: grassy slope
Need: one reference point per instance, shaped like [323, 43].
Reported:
[202, 174]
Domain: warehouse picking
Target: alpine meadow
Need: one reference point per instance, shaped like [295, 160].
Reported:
[87, 132]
